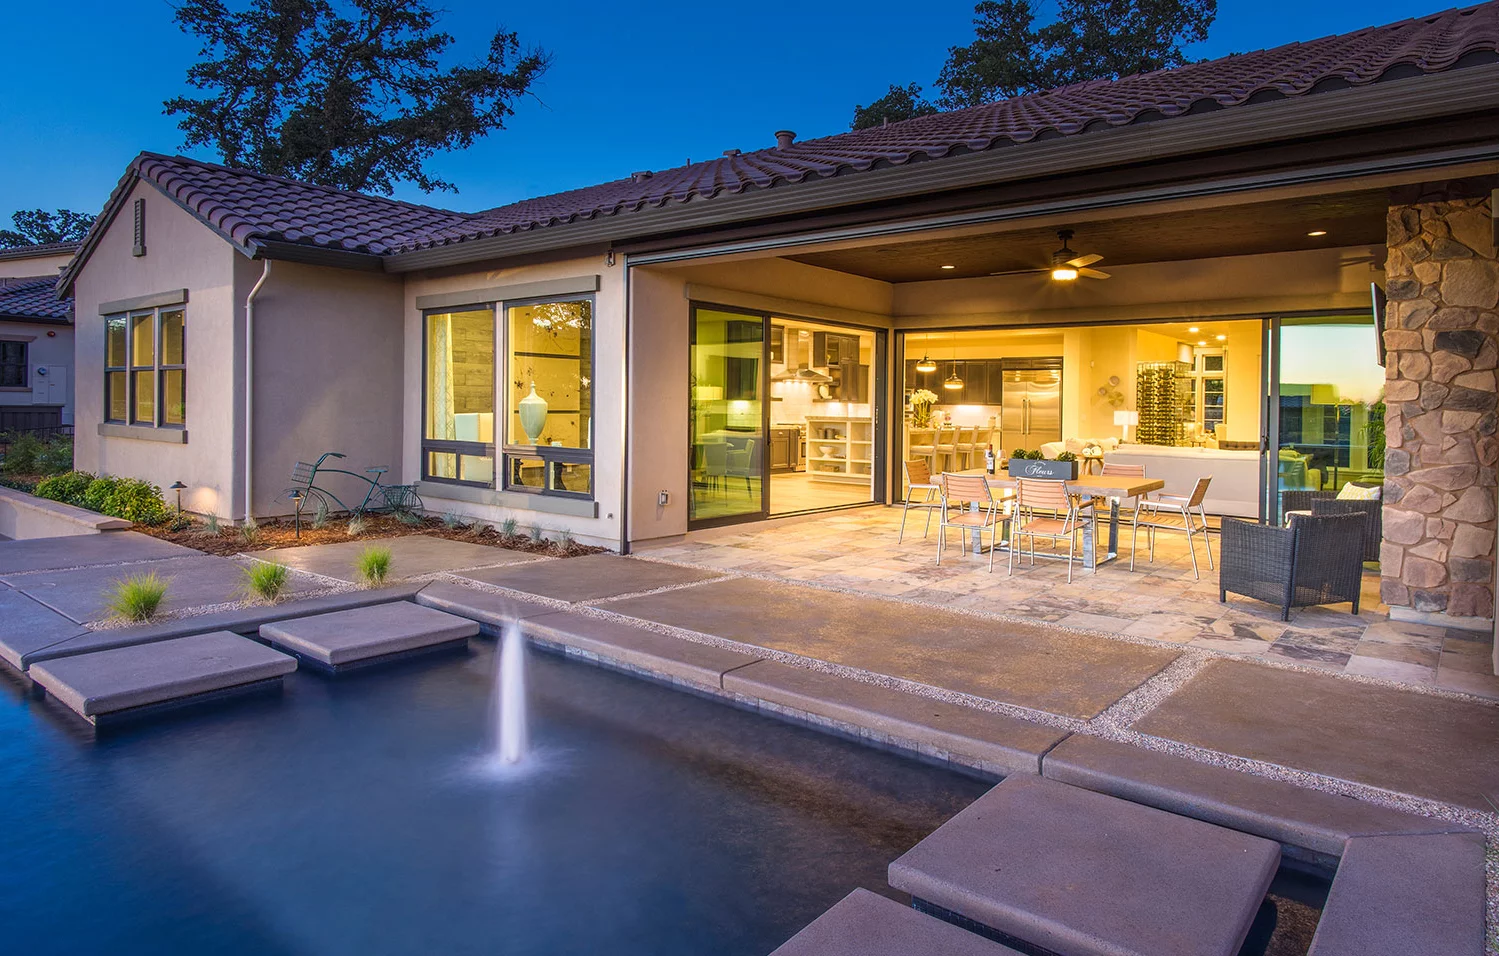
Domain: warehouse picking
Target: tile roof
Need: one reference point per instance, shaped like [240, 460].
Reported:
[33, 299]
[250, 208]
[39, 249]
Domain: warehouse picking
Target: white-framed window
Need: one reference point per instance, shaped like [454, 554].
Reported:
[145, 368]
[1210, 388]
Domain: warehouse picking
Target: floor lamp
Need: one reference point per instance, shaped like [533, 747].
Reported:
[1126, 419]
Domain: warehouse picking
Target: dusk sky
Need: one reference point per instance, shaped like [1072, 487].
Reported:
[626, 91]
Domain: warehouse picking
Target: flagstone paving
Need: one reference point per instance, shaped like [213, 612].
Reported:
[856, 551]
[587, 578]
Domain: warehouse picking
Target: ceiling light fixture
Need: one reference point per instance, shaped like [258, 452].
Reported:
[953, 382]
[949, 267]
[1223, 338]
[1064, 273]
[1194, 330]
[1202, 343]
[1318, 232]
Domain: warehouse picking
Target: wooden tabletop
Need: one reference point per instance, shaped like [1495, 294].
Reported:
[1117, 486]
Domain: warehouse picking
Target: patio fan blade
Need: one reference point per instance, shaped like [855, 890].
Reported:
[1087, 260]
[1021, 272]
[1092, 273]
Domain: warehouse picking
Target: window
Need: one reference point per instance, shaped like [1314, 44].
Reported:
[549, 434]
[145, 368]
[14, 372]
[1212, 389]
[458, 435]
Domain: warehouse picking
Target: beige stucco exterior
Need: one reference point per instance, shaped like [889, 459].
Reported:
[16, 265]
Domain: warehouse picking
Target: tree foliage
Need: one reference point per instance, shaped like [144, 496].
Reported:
[1090, 40]
[34, 227]
[899, 103]
[344, 93]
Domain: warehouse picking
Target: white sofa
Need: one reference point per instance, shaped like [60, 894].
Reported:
[1236, 474]
[1076, 445]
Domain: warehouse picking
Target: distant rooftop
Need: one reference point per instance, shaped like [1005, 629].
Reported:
[33, 299]
[39, 250]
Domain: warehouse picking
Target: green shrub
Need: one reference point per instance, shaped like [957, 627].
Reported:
[67, 487]
[98, 493]
[373, 566]
[266, 581]
[55, 457]
[249, 531]
[21, 457]
[138, 597]
[135, 500]
[1067, 456]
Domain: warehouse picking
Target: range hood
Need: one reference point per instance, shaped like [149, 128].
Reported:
[803, 374]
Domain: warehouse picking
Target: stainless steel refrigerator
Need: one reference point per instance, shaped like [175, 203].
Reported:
[1031, 403]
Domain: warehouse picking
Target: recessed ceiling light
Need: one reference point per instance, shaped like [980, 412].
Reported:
[1194, 329]
[1202, 343]
[1318, 232]
[949, 267]
[1223, 338]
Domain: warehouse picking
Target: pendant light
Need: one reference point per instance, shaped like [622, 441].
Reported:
[926, 365]
[953, 382]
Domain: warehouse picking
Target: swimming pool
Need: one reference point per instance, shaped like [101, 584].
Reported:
[358, 815]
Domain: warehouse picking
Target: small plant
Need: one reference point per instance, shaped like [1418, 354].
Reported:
[320, 514]
[249, 532]
[266, 581]
[1024, 455]
[55, 457]
[566, 541]
[1067, 456]
[180, 523]
[357, 526]
[138, 597]
[68, 487]
[451, 521]
[408, 518]
[373, 566]
[211, 525]
[537, 534]
[136, 500]
[507, 528]
[98, 492]
[22, 455]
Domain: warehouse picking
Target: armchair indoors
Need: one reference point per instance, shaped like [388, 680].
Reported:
[1317, 560]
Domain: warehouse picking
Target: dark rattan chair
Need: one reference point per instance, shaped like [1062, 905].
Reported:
[1326, 502]
[1317, 560]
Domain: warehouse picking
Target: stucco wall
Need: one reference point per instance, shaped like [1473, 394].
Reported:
[50, 346]
[181, 253]
[27, 266]
[328, 374]
[659, 404]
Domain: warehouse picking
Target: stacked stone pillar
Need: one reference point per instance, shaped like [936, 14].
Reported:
[1442, 342]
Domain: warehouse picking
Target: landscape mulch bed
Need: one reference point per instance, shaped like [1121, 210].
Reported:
[277, 533]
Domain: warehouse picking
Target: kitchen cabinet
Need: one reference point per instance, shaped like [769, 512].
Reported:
[785, 448]
[840, 449]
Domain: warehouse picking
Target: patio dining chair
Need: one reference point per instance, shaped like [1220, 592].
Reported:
[1183, 513]
[1046, 509]
[919, 483]
[969, 505]
[1114, 468]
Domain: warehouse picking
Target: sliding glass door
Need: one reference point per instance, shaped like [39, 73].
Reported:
[727, 425]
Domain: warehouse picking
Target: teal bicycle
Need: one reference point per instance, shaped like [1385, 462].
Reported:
[378, 497]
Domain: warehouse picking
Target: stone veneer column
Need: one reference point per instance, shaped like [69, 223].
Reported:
[1442, 341]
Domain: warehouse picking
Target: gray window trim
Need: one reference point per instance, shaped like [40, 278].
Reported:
[153, 301]
[173, 436]
[545, 288]
[517, 501]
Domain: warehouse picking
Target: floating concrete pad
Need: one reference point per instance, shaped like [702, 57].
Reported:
[494, 612]
[589, 578]
[108, 682]
[866, 924]
[1080, 873]
[1310, 819]
[1384, 737]
[196, 580]
[30, 627]
[703, 665]
[1028, 665]
[976, 738]
[410, 555]
[1405, 895]
[345, 637]
[85, 550]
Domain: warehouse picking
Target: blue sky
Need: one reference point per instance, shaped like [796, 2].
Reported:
[648, 90]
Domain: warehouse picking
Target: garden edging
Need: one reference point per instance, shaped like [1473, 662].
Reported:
[25, 516]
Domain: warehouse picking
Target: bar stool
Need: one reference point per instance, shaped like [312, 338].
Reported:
[947, 447]
[923, 444]
[965, 442]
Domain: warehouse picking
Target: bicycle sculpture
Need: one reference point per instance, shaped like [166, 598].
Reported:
[396, 499]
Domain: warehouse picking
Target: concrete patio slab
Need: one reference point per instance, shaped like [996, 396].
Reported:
[1081, 873]
[1028, 665]
[494, 612]
[1295, 816]
[410, 555]
[339, 638]
[975, 738]
[702, 665]
[589, 578]
[30, 627]
[128, 678]
[1383, 737]
[1399, 895]
[197, 580]
[85, 550]
[867, 924]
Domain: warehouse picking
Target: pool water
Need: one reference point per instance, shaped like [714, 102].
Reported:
[357, 815]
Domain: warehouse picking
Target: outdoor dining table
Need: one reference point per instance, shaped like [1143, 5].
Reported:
[1112, 487]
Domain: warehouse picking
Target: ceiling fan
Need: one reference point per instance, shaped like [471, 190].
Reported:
[1066, 265]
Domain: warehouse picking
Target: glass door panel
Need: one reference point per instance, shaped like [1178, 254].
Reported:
[1330, 422]
[727, 429]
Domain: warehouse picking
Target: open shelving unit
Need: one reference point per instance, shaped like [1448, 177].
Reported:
[851, 457]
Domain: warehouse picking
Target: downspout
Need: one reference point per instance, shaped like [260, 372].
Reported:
[250, 388]
[624, 429]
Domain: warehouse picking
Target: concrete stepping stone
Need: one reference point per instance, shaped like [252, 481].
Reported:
[1401, 895]
[410, 555]
[85, 550]
[659, 655]
[589, 578]
[1295, 816]
[1426, 745]
[30, 627]
[992, 742]
[365, 634]
[110, 684]
[493, 611]
[867, 924]
[1083, 874]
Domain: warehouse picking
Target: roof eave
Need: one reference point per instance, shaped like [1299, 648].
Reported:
[1397, 101]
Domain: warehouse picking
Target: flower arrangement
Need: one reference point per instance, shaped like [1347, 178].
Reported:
[920, 403]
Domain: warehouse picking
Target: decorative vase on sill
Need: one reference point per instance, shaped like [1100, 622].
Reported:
[533, 415]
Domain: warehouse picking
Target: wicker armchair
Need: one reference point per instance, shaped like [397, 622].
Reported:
[1317, 560]
[1327, 503]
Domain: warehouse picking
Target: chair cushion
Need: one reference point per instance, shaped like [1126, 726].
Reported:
[1352, 492]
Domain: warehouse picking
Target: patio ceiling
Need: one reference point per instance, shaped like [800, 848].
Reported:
[1348, 219]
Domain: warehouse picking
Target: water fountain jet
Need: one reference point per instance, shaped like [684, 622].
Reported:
[511, 740]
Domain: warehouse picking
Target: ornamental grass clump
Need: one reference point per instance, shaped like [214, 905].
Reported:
[267, 581]
[138, 597]
[373, 566]
[357, 526]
